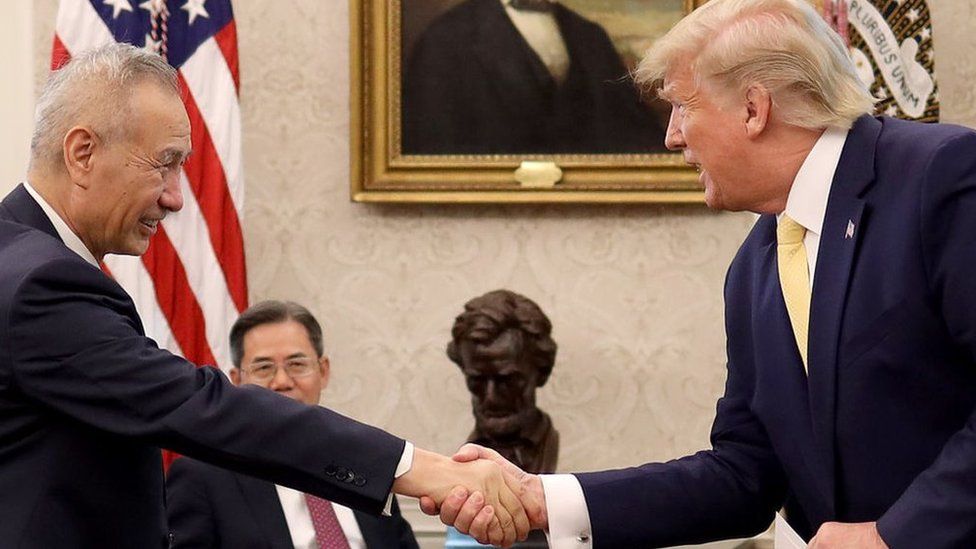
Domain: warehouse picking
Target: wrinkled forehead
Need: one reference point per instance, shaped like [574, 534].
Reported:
[678, 81]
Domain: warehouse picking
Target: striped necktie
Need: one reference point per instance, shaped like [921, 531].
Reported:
[794, 279]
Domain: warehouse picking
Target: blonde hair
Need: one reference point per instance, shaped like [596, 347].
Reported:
[93, 88]
[783, 45]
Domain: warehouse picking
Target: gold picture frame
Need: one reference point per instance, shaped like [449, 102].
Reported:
[381, 172]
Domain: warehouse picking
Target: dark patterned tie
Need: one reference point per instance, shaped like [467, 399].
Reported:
[327, 530]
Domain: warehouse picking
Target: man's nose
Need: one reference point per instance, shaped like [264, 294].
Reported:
[172, 197]
[674, 140]
[491, 392]
[281, 380]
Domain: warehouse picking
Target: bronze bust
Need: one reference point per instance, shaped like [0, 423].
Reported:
[502, 343]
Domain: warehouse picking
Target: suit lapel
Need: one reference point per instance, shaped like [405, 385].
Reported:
[262, 499]
[843, 225]
[19, 206]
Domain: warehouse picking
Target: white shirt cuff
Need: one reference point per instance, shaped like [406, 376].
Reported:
[569, 518]
[406, 462]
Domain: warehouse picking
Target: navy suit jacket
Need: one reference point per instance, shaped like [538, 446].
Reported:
[86, 401]
[473, 85]
[884, 428]
[212, 508]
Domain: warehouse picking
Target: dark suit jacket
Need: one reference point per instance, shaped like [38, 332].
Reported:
[86, 401]
[210, 508]
[473, 85]
[884, 428]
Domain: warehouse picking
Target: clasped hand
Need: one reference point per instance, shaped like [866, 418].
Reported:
[473, 514]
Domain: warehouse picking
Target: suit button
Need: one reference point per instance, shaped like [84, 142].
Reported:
[330, 470]
[359, 481]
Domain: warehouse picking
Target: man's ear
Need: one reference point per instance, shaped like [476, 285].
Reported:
[235, 376]
[759, 104]
[325, 370]
[78, 148]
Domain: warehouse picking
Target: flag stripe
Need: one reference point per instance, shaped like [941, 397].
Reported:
[210, 81]
[176, 299]
[59, 54]
[187, 230]
[227, 42]
[140, 286]
[79, 27]
[207, 182]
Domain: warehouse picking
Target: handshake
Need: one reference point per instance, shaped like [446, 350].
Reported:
[478, 492]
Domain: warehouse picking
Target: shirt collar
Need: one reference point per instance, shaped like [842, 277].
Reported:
[807, 201]
[69, 238]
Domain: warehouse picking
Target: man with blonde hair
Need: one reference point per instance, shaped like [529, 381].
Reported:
[850, 307]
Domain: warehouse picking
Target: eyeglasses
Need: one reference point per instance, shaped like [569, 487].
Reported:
[296, 368]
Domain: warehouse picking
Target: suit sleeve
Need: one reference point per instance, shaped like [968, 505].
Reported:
[938, 509]
[731, 490]
[189, 509]
[77, 349]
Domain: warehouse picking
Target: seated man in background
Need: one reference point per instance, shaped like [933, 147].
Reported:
[276, 345]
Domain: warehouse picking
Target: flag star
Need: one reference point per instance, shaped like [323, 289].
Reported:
[153, 6]
[912, 15]
[926, 33]
[195, 8]
[118, 6]
[881, 94]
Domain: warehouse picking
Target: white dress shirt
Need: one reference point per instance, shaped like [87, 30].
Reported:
[569, 518]
[541, 31]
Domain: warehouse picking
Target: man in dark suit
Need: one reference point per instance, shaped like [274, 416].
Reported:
[850, 307]
[86, 400]
[276, 345]
[520, 77]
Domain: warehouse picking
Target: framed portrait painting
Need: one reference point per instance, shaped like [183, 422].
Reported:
[510, 101]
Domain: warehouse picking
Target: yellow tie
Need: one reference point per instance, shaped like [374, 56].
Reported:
[794, 277]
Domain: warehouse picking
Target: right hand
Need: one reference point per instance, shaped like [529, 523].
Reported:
[471, 511]
[443, 482]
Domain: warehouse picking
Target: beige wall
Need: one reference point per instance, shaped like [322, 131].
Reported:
[17, 92]
[634, 292]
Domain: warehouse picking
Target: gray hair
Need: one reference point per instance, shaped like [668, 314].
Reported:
[273, 312]
[783, 45]
[93, 88]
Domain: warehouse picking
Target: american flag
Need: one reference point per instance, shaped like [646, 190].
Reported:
[191, 284]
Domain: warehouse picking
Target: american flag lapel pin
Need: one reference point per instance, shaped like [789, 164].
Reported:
[850, 229]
